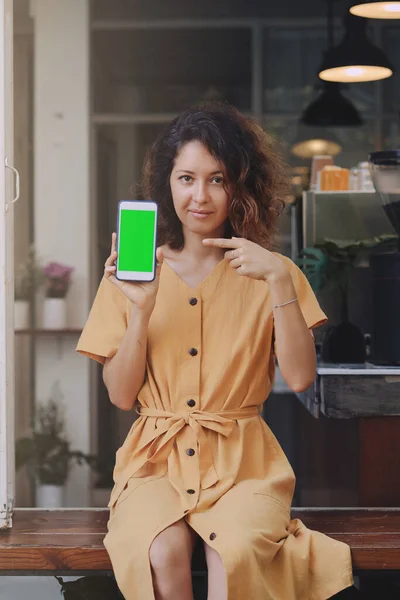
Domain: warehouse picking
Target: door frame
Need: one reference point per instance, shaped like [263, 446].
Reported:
[9, 193]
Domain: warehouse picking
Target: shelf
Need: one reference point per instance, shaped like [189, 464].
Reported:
[344, 391]
[343, 216]
[363, 370]
[48, 332]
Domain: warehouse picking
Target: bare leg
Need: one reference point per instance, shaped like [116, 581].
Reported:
[171, 558]
[216, 575]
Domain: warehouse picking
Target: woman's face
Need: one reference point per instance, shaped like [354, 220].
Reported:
[199, 191]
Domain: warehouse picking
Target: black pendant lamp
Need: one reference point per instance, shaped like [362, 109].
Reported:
[356, 58]
[312, 141]
[331, 109]
[377, 10]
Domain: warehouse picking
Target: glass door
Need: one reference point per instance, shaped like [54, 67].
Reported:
[9, 192]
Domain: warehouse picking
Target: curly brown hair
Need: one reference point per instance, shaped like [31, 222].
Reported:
[254, 169]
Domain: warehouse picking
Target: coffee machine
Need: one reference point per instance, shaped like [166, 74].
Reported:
[385, 265]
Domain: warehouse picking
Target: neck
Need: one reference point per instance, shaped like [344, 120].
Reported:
[193, 246]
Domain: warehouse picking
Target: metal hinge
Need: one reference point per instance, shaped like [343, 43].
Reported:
[6, 512]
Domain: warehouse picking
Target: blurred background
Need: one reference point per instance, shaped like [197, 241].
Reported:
[94, 82]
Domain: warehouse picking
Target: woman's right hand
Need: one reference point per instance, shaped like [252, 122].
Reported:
[142, 294]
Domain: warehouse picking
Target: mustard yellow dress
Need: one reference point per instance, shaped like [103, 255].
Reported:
[200, 451]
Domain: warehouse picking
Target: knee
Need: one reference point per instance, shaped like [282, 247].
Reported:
[166, 555]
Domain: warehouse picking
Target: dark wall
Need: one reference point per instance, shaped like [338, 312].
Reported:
[142, 9]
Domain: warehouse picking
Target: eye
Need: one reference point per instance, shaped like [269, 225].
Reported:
[218, 180]
[185, 178]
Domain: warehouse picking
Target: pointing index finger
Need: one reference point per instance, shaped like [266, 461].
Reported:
[223, 242]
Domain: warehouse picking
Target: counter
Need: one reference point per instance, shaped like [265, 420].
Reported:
[343, 391]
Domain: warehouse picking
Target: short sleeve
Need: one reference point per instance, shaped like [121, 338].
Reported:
[106, 324]
[312, 312]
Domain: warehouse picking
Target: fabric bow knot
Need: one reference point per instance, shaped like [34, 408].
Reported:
[159, 444]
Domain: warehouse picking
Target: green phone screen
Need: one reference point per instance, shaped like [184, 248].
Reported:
[136, 240]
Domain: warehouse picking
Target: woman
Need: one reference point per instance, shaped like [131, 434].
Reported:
[196, 349]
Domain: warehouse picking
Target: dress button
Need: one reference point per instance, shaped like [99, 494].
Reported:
[193, 352]
[190, 491]
[191, 403]
[190, 452]
[213, 536]
[193, 301]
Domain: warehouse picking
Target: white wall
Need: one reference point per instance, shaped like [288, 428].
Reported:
[62, 201]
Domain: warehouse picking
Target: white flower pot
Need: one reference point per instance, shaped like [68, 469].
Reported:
[21, 314]
[49, 496]
[54, 313]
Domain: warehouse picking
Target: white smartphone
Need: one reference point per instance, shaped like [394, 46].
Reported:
[136, 240]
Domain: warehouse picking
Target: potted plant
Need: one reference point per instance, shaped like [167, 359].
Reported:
[57, 280]
[47, 453]
[28, 278]
[328, 266]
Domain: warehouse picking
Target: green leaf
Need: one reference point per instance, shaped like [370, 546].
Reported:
[313, 263]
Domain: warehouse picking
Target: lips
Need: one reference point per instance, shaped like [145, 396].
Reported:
[200, 215]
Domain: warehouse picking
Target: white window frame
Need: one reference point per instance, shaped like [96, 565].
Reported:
[9, 192]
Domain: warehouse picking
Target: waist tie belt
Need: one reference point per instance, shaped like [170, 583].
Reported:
[158, 447]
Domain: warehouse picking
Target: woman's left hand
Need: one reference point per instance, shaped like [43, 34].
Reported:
[250, 259]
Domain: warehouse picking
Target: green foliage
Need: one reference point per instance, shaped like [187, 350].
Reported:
[313, 262]
[47, 452]
[28, 277]
[328, 265]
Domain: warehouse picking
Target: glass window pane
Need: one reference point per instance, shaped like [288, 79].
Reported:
[391, 87]
[52, 134]
[391, 133]
[356, 142]
[178, 9]
[291, 61]
[162, 71]
[292, 58]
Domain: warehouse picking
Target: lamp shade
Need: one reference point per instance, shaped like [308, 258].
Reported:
[355, 59]
[377, 10]
[311, 141]
[331, 109]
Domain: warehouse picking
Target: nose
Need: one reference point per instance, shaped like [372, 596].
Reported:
[200, 192]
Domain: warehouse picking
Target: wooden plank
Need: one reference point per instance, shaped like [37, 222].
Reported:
[49, 540]
[89, 521]
[60, 521]
[359, 521]
[379, 483]
[54, 558]
[321, 445]
[64, 540]
[347, 396]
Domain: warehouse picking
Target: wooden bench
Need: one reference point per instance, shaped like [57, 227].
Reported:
[72, 539]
